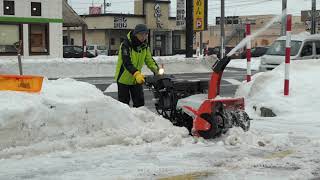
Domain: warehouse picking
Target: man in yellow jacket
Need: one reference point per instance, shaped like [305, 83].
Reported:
[133, 54]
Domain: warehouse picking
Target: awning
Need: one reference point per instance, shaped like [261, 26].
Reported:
[70, 17]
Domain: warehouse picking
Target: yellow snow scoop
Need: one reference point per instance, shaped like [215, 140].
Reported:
[25, 83]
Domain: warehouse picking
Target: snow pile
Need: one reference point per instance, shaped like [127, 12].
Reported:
[72, 131]
[297, 113]
[68, 114]
[242, 63]
[303, 78]
[62, 67]
[100, 66]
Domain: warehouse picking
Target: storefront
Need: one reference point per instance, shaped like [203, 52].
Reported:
[36, 24]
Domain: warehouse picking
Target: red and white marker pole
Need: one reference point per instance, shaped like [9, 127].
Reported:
[287, 61]
[248, 35]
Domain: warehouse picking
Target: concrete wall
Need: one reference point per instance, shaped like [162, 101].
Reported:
[96, 37]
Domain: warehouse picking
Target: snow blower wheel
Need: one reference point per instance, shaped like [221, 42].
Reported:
[215, 127]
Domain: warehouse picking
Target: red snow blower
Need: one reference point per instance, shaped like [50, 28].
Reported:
[208, 118]
[216, 115]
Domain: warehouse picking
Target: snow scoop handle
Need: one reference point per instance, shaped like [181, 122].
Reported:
[18, 46]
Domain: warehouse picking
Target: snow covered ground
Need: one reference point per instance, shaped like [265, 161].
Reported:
[71, 130]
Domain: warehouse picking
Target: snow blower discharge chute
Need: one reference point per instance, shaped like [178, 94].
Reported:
[208, 118]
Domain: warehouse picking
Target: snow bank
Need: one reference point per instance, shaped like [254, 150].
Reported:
[242, 63]
[297, 113]
[68, 114]
[98, 67]
[267, 88]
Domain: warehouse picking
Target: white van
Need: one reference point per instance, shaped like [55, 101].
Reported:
[98, 49]
[302, 47]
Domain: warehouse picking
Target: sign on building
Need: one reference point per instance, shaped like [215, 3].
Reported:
[306, 18]
[95, 10]
[306, 15]
[157, 15]
[180, 17]
[229, 20]
[200, 11]
[120, 22]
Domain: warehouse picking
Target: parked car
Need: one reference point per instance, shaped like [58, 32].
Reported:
[98, 49]
[302, 47]
[259, 51]
[256, 51]
[70, 51]
[216, 50]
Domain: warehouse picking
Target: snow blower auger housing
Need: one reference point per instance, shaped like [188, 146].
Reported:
[212, 116]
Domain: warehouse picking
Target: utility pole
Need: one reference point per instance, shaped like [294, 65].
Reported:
[104, 6]
[313, 17]
[283, 18]
[222, 34]
[201, 45]
[189, 28]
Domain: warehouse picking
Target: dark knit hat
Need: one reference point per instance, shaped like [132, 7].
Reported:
[140, 28]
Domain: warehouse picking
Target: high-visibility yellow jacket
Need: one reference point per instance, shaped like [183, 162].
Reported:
[131, 58]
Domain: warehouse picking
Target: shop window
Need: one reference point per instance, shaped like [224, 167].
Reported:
[8, 7]
[10, 34]
[35, 9]
[39, 39]
[65, 40]
[112, 41]
[176, 42]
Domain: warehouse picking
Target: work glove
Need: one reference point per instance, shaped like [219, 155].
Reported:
[139, 77]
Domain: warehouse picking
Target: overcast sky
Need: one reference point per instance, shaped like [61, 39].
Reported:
[232, 7]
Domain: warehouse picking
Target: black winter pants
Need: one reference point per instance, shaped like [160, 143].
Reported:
[135, 91]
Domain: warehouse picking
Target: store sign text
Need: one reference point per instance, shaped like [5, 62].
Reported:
[120, 22]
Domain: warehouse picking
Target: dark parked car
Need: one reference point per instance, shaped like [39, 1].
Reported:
[256, 52]
[259, 51]
[216, 51]
[70, 51]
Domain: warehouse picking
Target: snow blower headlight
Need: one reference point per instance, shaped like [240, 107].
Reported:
[161, 71]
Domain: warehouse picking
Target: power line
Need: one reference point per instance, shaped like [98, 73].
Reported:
[239, 5]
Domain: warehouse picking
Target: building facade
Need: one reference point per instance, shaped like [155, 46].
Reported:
[37, 24]
[235, 30]
[165, 38]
